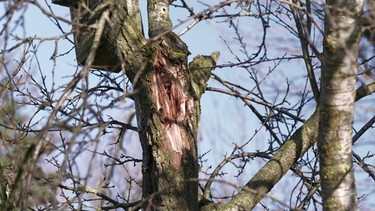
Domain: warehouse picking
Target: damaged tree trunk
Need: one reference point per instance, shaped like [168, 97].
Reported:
[167, 92]
[166, 110]
[167, 104]
[168, 114]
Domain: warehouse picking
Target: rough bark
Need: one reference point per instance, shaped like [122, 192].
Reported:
[342, 33]
[167, 113]
[166, 98]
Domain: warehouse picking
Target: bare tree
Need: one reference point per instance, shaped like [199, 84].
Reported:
[120, 130]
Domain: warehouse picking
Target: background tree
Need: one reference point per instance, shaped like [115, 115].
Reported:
[81, 125]
[342, 33]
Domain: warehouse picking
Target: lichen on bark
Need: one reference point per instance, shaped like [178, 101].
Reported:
[340, 50]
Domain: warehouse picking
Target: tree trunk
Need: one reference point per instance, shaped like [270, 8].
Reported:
[342, 33]
[165, 113]
[166, 92]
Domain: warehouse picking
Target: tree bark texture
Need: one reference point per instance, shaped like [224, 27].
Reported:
[165, 110]
[342, 33]
[166, 93]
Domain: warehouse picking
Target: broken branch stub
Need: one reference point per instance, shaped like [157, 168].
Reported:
[85, 16]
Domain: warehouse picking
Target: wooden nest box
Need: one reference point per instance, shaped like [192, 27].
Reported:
[82, 15]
